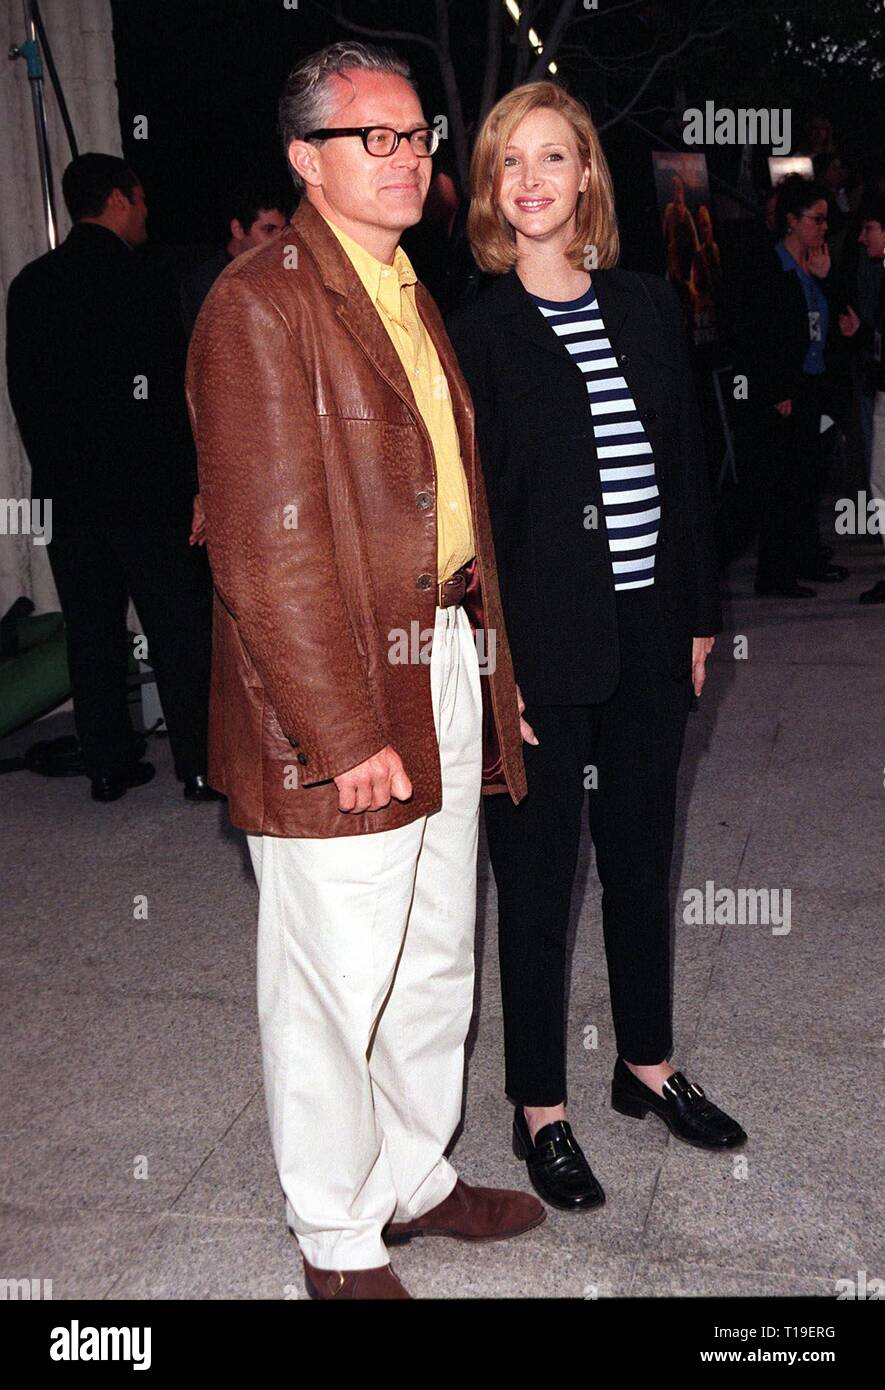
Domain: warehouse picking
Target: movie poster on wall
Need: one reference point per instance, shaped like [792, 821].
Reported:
[693, 265]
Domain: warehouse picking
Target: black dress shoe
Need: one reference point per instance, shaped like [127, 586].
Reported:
[113, 787]
[874, 595]
[198, 789]
[684, 1109]
[827, 574]
[558, 1170]
[785, 590]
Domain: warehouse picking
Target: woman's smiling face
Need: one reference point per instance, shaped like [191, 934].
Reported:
[542, 177]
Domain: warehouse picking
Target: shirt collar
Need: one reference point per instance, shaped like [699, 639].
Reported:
[383, 283]
[787, 260]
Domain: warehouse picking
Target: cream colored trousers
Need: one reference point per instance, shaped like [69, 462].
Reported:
[365, 993]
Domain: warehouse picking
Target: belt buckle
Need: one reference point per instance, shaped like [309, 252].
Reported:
[458, 580]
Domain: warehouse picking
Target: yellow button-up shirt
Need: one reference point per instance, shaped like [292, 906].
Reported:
[391, 289]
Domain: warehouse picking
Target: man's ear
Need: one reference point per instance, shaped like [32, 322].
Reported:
[303, 159]
[236, 229]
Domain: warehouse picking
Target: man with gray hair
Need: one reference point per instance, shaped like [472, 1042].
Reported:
[346, 516]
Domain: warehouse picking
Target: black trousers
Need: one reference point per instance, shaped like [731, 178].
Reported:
[785, 460]
[634, 741]
[96, 566]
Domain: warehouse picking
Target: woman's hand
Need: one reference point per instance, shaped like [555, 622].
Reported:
[701, 648]
[784, 408]
[849, 322]
[528, 733]
[818, 261]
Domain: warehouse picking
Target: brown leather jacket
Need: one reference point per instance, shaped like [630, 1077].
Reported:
[318, 484]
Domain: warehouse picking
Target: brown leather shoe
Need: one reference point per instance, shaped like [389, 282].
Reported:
[380, 1282]
[473, 1213]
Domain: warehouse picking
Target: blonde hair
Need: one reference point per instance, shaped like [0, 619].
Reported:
[491, 236]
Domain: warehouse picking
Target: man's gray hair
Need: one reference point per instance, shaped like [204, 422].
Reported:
[308, 100]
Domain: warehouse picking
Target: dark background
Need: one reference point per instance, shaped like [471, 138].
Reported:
[207, 74]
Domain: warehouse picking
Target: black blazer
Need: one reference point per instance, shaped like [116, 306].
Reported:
[535, 435]
[83, 322]
[772, 334]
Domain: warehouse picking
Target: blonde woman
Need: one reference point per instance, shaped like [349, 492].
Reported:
[593, 458]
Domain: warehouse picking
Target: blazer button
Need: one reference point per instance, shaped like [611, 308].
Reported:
[651, 415]
[424, 500]
[302, 758]
[623, 359]
[295, 742]
[423, 581]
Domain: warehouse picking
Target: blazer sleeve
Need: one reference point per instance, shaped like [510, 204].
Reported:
[269, 528]
[705, 602]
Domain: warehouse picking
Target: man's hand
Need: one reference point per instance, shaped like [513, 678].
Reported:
[198, 523]
[528, 733]
[784, 408]
[370, 785]
[701, 648]
[849, 322]
[818, 261]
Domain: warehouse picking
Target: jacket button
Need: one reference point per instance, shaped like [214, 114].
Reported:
[423, 581]
[302, 758]
[651, 415]
[624, 359]
[424, 500]
[294, 742]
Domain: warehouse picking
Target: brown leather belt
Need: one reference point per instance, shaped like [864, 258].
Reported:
[454, 589]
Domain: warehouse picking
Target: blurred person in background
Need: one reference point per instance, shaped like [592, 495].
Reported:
[256, 214]
[868, 337]
[95, 361]
[783, 417]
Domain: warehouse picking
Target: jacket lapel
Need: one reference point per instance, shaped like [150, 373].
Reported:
[361, 319]
[462, 406]
[354, 307]
[519, 315]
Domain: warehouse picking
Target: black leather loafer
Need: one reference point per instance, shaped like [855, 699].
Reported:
[112, 788]
[558, 1170]
[684, 1108]
[198, 789]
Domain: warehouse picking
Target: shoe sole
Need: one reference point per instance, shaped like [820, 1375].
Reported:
[637, 1110]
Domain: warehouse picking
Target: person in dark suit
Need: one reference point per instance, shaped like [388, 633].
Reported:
[256, 214]
[592, 452]
[788, 356]
[95, 362]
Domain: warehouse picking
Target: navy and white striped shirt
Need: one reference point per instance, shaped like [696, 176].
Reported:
[630, 498]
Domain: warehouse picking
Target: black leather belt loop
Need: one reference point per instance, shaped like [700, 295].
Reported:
[454, 589]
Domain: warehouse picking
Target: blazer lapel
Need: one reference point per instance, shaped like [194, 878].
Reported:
[354, 308]
[519, 315]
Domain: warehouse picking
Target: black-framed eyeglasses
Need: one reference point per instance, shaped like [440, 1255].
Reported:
[382, 140]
